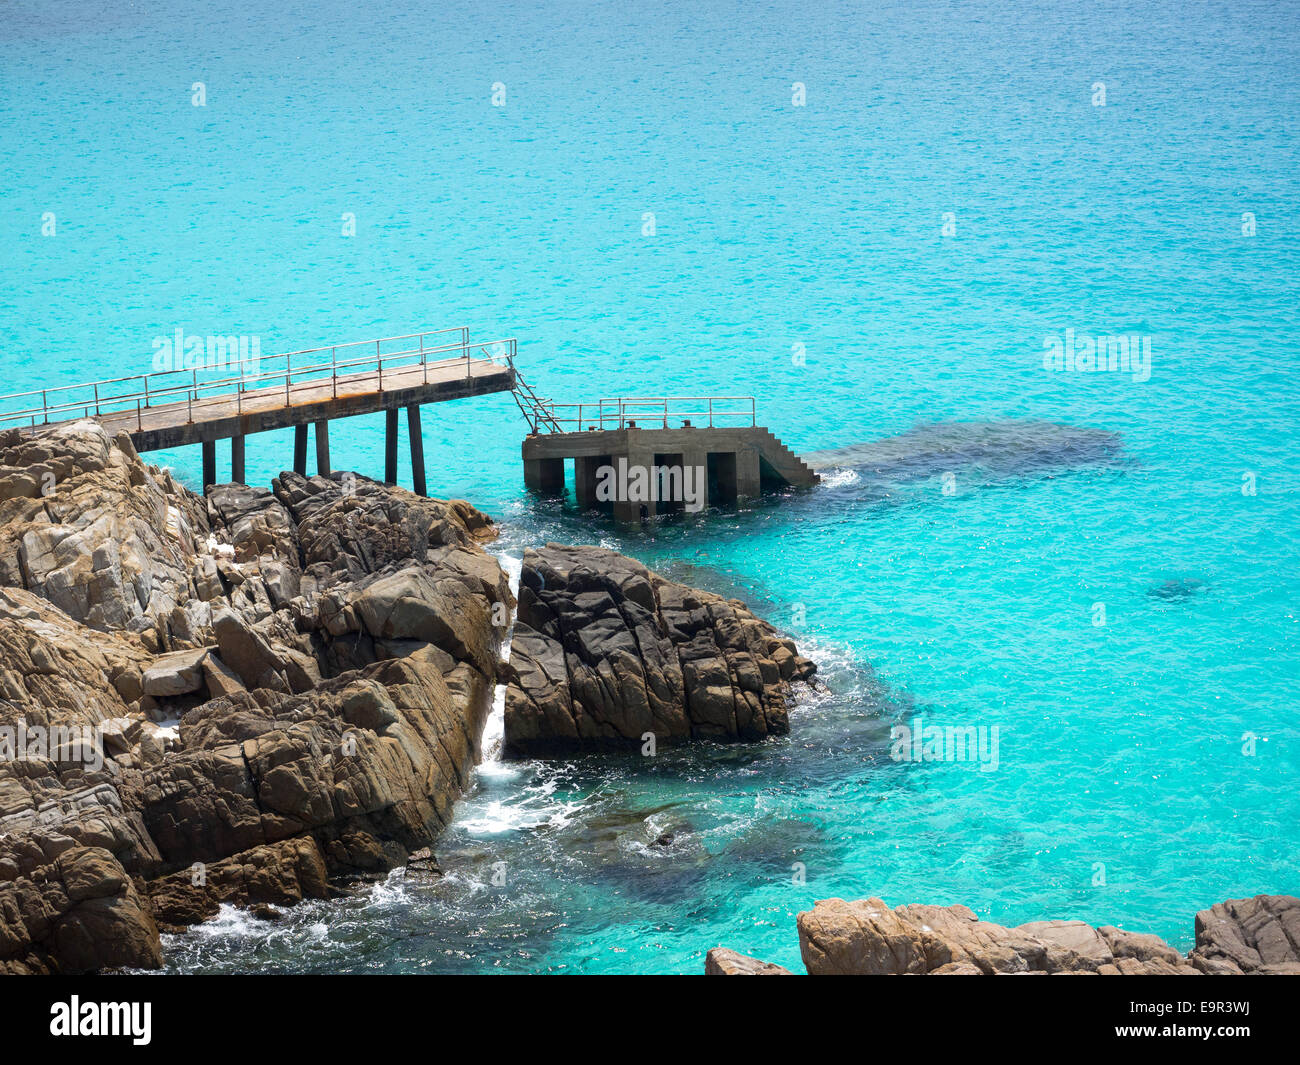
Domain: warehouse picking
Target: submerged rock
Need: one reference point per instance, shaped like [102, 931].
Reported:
[1177, 589]
[1000, 449]
[606, 652]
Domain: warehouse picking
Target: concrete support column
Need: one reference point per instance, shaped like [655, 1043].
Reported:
[390, 446]
[237, 460]
[209, 463]
[300, 449]
[417, 450]
[748, 479]
[323, 448]
[635, 510]
[544, 475]
[584, 478]
[695, 465]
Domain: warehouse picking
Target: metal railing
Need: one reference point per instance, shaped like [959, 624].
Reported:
[650, 412]
[302, 370]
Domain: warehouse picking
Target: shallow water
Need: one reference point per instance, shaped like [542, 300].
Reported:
[965, 594]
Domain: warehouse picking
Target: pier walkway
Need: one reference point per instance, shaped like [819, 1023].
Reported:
[225, 399]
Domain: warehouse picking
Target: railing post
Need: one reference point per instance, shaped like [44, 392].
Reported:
[146, 390]
[189, 407]
[97, 399]
[138, 424]
[45, 407]
[710, 412]
[334, 371]
[665, 412]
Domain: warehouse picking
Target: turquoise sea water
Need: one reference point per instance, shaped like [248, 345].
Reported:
[775, 226]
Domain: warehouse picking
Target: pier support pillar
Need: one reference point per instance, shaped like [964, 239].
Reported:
[695, 465]
[237, 460]
[300, 449]
[323, 448]
[748, 479]
[544, 475]
[584, 478]
[209, 463]
[417, 449]
[630, 510]
[390, 446]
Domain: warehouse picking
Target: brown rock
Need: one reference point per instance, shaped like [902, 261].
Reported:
[868, 938]
[604, 651]
[723, 962]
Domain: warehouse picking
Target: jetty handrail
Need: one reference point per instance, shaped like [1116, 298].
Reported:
[646, 412]
[185, 385]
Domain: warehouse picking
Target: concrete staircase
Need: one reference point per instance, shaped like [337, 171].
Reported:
[785, 462]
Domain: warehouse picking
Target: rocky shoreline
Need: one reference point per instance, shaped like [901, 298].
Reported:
[253, 696]
[1254, 937]
[245, 697]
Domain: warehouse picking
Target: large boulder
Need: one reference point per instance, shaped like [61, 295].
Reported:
[1260, 935]
[278, 873]
[106, 539]
[605, 651]
[71, 909]
[866, 937]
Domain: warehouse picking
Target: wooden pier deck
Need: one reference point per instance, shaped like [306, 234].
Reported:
[174, 408]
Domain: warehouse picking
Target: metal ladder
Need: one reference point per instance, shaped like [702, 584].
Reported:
[533, 407]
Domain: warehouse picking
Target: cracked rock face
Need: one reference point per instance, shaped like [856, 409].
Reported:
[1250, 936]
[85, 525]
[282, 685]
[605, 651]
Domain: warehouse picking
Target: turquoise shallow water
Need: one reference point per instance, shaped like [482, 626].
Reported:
[775, 225]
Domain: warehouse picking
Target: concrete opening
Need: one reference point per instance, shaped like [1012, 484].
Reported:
[585, 470]
[722, 476]
[671, 484]
[545, 476]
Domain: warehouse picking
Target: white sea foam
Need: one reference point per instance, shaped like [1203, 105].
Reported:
[533, 807]
[229, 921]
[494, 727]
[840, 478]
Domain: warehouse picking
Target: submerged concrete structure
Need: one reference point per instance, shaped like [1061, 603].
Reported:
[733, 461]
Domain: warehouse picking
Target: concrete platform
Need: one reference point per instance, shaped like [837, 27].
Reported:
[732, 462]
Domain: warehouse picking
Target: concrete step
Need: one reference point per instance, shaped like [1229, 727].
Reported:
[788, 464]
